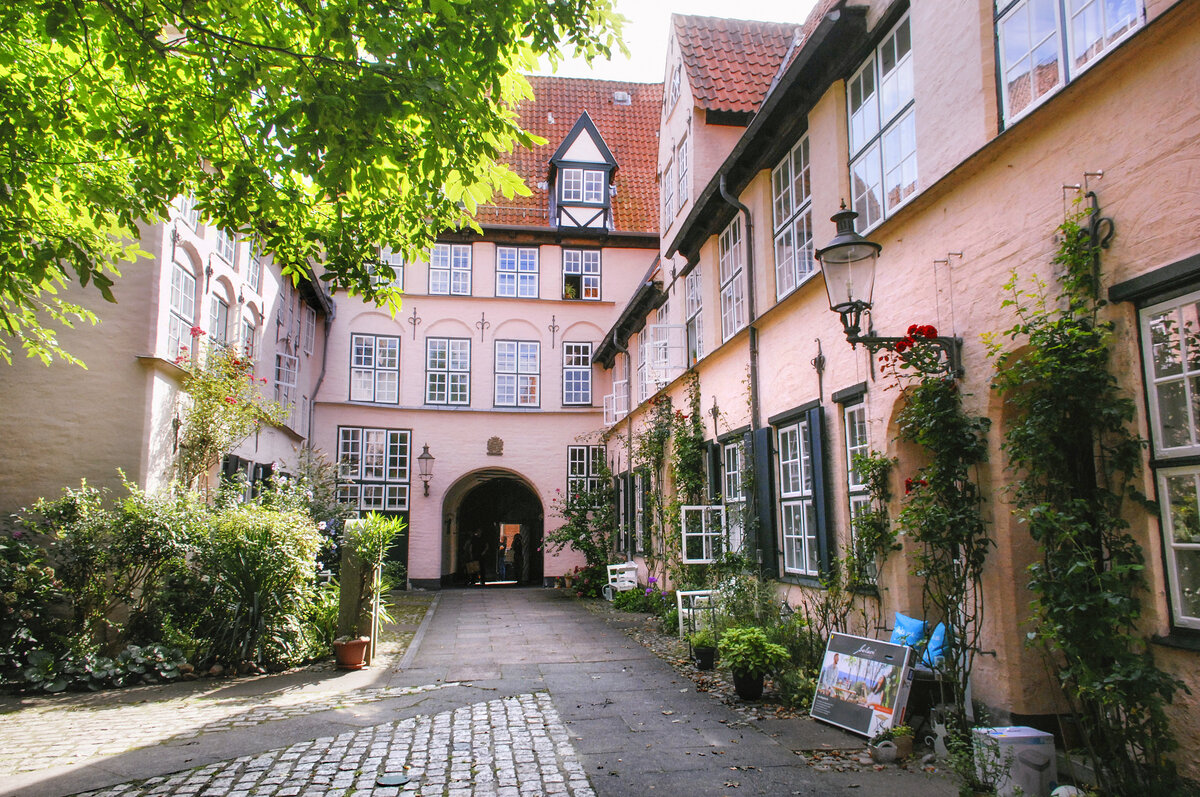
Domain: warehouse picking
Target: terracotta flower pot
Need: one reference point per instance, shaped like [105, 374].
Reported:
[705, 658]
[351, 653]
[748, 686]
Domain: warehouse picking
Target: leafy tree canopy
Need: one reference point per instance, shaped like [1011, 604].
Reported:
[322, 128]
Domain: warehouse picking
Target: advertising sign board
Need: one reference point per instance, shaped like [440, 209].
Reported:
[864, 684]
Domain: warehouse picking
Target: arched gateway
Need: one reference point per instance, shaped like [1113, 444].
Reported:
[492, 523]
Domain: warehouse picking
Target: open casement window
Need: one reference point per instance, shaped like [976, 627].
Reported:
[287, 372]
[694, 308]
[1171, 361]
[616, 403]
[581, 274]
[643, 374]
[733, 287]
[704, 535]
[375, 368]
[792, 215]
[183, 311]
[1030, 38]
[666, 186]
[681, 174]
[801, 502]
[517, 272]
[518, 373]
[447, 371]
[733, 464]
[854, 419]
[373, 468]
[450, 269]
[249, 339]
[218, 321]
[883, 140]
[577, 374]
[667, 352]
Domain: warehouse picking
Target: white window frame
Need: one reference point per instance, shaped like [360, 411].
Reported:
[577, 373]
[518, 371]
[188, 212]
[182, 314]
[667, 188]
[710, 534]
[676, 87]
[694, 312]
[882, 129]
[309, 334]
[517, 272]
[450, 270]
[249, 338]
[797, 499]
[857, 440]
[584, 469]
[1018, 19]
[643, 373]
[374, 468]
[395, 262]
[733, 286]
[254, 270]
[218, 321]
[681, 174]
[226, 246]
[287, 373]
[791, 203]
[582, 186]
[448, 371]
[581, 267]
[733, 492]
[375, 368]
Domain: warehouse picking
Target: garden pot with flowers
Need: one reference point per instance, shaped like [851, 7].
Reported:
[365, 543]
[750, 657]
[704, 648]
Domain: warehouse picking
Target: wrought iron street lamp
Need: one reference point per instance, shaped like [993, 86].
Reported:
[425, 467]
[848, 262]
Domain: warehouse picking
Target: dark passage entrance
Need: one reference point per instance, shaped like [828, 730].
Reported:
[500, 534]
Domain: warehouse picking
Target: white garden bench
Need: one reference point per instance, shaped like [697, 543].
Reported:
[621, 578]
[693, 606]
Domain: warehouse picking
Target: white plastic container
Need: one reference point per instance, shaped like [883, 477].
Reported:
[1027, 754]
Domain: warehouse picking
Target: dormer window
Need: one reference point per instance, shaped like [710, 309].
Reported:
[582, 185]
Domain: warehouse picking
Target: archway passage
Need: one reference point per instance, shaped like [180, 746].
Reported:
[500, 534]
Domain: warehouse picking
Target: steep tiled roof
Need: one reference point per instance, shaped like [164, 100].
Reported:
[630, 131]
[730, 63]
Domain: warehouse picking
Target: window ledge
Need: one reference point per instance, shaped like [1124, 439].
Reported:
[1179, 639]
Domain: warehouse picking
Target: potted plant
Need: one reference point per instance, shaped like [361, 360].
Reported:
[750, 657]
[365, 544]
[704, 648]
[892, 744]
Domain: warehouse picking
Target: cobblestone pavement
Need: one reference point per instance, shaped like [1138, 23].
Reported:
[503, 748]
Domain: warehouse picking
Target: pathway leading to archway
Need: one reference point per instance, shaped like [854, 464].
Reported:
[504, 693]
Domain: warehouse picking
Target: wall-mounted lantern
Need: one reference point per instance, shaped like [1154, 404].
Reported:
[425, 467]
[848, 262]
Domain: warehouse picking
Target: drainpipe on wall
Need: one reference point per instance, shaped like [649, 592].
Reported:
[312, 404]
[752, 500]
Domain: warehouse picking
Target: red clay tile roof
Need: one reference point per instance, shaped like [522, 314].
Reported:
[630, 131]
[730, 63]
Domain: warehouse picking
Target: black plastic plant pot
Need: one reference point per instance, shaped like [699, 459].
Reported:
[748, 687]
[705, 658]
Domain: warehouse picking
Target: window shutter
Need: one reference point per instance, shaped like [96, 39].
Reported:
[825, 546]
[764, 497]
[714, 470]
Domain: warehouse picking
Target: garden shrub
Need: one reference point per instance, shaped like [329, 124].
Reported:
[261, 569]
[29, 593]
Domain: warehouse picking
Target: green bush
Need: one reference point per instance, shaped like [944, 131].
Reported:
[321, 624]
[260, 568]
[745, 649]
[29, 593]
[44, 672]
[795, 687]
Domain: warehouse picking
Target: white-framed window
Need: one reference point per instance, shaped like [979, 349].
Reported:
[188, 212]
[373, 468]
[447, 371]
[582, 185]
[858, 442]
[309, 332]
[227, 246]
[254, 269]
[883, 140]
[581, 274]
[218, 321]
[375, 368]
[585, 464]
[703, 530]
[643, 374]
[450, 269]
[681, 172]
[287, 372]
[676, 87]
[518, 373]
[249, 338]
[183, 310]
[797, 499]
[517, 272]
[577, 373]
[395, 262]
[694, 310]
[641, 519]
[624, 485]
[733, 288]
[1171, 362]
[791, 204]
[667, 189]
[733, 463]
[1030, 37]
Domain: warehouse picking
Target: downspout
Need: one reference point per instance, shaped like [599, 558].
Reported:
[752, 508]
[312, 405]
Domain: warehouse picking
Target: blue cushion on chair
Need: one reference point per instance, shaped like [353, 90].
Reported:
[908, 631]
[935, 651]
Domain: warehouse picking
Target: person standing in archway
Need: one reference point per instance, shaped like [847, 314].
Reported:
[518, 554]
[479, 552]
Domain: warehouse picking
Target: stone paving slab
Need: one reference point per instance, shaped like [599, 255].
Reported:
[511, 747]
